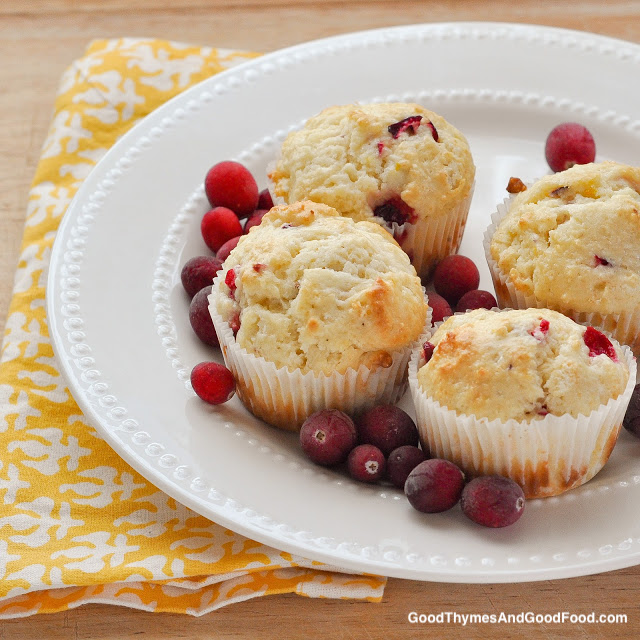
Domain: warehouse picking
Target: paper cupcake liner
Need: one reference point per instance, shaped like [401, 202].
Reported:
[431, 239]
[624, 327]
[545, 457]
[286, 398]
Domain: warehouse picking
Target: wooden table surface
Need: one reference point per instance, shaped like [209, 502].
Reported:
[38, 39]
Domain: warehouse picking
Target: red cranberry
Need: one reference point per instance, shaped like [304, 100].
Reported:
[366, 463]
[427, 351]
[199, 272]
[434, 131]
[234, 323]
[200, 318]
[395, 210]
[401, 462]
[541, 331]
[327, 437]
[254, 220]
[601, 261]
[380, 148]
[230, 184]
[227, 248]
[265, 201]
[599, 344]
[476, 299]
[213, 382]
[440, 308]
[410, 125]
[569, 143]
[387, 427]
[454, 276]
[219, 225]
[230, 281]
[631, 420]
[434, 485]
[493, 501]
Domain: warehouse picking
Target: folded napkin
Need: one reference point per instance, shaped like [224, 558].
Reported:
[77, 525]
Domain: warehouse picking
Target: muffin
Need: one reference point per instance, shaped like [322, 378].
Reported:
[528, 394]
[324, 310]
[571, 242]
[397, 164]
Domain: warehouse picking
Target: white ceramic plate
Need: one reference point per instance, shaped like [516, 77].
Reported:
[119, 322]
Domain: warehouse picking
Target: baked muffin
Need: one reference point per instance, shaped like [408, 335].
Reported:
[529, 394]
[397, 164]
[571, 242]
[324, 309]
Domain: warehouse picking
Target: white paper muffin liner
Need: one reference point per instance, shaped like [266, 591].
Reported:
[433, 238]
[286, 398]
[545, 457]
[624, 327]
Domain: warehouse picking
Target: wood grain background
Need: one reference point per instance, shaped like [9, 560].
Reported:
[38, 39]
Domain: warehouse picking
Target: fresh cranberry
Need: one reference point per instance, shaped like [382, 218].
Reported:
[395, 210]
[230, 184]
[259, 267]
[200, 318]
[476, 299]
[213, 382]
[454, 276]
[327, 437]
[227, 248]
[387, 427]
[199, 272]
[601, 262]
[631, 420]
[219, 225]
[380, 148]
[410, 125]
[265, 201]
[366, 463]
[434, 485]
[493, 501]
[599, 344]
[427, 351]
[440, 308]
[254, 219]
[401, 462]
[569, 143]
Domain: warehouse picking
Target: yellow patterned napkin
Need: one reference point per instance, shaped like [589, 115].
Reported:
[77, 525]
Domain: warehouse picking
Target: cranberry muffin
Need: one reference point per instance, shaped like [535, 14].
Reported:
[313, 311]
[571, 242]
[529, 394]
[397, 164]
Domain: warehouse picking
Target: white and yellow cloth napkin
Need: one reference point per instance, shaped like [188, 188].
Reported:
[77, 525]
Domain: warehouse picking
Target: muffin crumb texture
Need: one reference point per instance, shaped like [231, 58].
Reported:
[572, 239]
[314, 291]
[521, 364]
[390, 162]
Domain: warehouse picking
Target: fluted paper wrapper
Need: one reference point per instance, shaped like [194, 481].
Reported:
[545, 457]
[624, 327]
[286, 398]
[431, 239]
